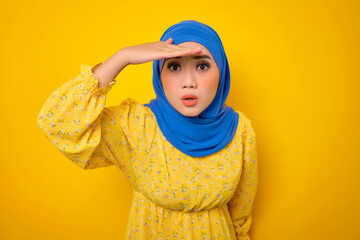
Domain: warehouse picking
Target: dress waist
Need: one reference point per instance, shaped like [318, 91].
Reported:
[147, 219]
[178, 207]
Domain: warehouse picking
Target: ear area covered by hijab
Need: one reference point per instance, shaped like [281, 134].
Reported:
[215, 127]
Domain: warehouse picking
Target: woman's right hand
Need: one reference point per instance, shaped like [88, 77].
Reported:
[157, 50]
[137, 54]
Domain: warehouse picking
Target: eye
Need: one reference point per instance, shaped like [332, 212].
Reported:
[171, 65]
[204, 66]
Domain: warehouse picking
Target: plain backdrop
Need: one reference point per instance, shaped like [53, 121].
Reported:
[295, 73]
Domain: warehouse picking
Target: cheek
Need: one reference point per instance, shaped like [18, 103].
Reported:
[210, 84]
[169, 83]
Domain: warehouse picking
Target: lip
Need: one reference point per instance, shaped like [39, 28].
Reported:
[189, 100]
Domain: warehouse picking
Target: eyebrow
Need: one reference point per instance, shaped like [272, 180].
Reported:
[195, 57]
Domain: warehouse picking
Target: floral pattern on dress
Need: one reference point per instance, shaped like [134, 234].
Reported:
[176, 196]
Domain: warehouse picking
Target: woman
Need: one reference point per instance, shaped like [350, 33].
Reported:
[191, 160]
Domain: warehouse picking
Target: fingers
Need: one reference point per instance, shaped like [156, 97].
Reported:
[170, 40]
[197, 50]
[176, 50]
[185, 52]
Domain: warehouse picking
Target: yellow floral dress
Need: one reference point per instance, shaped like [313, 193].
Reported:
[176, 196]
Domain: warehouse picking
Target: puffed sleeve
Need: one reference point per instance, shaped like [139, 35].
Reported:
[75, 120]
[240, 205]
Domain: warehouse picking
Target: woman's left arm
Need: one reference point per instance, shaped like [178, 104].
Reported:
[240, 205]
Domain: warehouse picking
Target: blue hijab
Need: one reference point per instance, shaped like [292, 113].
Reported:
[213, 128]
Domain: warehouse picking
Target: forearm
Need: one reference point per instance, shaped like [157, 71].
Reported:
[109, 69]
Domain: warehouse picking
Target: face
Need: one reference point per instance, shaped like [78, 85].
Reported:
[190, 82]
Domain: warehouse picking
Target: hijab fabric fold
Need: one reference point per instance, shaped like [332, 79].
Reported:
[213, 128]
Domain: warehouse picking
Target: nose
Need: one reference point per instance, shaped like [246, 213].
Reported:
[189, 81]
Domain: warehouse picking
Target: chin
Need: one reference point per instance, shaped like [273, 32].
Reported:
[190, 113]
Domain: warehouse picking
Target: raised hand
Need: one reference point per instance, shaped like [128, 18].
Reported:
[157, 50]
[137, 54]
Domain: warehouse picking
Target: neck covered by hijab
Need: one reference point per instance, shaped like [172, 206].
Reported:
[213, 128]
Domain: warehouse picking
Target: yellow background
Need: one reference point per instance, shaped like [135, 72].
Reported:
[295, 73]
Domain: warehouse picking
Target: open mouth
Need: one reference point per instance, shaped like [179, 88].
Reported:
[189, 100]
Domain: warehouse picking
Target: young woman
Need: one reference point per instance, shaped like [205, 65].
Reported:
[191, 160]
